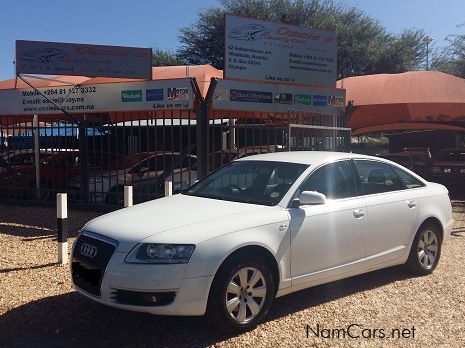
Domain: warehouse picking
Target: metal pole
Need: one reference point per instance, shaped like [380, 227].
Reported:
[334, 132]
[83, 161]
[127, 196]
[289, 127]
[232, 133]
[35, 130]
[62, 227]
[168, 188]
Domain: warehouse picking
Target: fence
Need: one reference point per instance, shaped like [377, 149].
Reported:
[92, 157]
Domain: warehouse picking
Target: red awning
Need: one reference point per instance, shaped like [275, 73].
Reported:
[384, 100]
[407, 126]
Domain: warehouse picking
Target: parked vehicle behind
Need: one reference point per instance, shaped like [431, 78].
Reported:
[219, 158]
[56, 167]
[147, 176]
[417, 160]
[12, 183]
[259, 228]
[449, 168]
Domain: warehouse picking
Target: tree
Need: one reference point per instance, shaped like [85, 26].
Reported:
[364, 47]
[451, 59]
[165, 58]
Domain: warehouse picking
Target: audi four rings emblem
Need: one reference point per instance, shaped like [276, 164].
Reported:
[88, 250]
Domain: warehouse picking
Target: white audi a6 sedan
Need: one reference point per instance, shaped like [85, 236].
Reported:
[259, 228]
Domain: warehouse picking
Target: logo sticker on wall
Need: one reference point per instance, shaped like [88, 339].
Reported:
[178, 93]
[240, 95]
[250, 32]
[131, 96]
[283, 98]
[154, 94]
[304, 99]
[335, 101]
[320, 100]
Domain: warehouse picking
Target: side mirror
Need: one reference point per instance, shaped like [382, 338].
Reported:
[312, 198]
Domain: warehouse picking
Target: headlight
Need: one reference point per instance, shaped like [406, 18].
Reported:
[160, 253]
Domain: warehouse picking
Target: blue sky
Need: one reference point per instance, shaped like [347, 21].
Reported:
[147, 23]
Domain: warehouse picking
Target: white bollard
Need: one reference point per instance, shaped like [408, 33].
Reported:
[62, 227]
[127, 196]
[168, 188]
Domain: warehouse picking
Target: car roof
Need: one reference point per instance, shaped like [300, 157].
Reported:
[313, 158]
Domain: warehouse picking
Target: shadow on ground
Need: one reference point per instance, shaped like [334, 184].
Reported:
[70, 320]
[33, 223]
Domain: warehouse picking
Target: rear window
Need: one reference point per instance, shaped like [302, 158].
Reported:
[407, 179]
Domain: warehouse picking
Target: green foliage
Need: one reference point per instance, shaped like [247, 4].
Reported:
[364, 47]
[165, 58]
[451, 59]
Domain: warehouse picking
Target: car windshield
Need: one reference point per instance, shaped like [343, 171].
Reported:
[255, 182]
[452, 156]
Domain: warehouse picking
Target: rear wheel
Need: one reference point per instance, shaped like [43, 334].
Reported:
[426, 250]
[241, 294]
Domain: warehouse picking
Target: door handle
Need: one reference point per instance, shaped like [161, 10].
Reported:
[358, 213]
[411, 204]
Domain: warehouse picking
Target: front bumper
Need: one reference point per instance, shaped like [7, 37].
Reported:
[131, 286]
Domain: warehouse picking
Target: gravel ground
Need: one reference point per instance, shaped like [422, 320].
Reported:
[39, 308]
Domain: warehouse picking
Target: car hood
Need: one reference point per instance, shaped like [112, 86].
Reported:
[178, 218]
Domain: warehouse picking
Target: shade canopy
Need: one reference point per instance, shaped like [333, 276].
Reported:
[411, 100]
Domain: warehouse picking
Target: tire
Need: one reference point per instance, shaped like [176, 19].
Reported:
[426, 250]
[245, 310]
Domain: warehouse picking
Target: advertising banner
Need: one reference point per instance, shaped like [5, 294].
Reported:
[247, 96]
[55, 58]
[105, 97]
[279, 52]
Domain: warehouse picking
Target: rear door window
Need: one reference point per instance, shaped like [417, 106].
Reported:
[377, 177]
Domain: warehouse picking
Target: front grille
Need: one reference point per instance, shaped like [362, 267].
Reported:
[90, 259]
[139, 298]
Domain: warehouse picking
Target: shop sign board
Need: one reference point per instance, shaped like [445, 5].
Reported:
[105, 97]
[278, 52]
[262, 97]
[58, 58]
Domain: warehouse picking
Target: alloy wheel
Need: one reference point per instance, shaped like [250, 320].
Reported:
[246, 294]
[428, 249]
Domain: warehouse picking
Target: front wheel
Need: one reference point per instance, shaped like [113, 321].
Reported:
[426, 250]
[241, 294]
